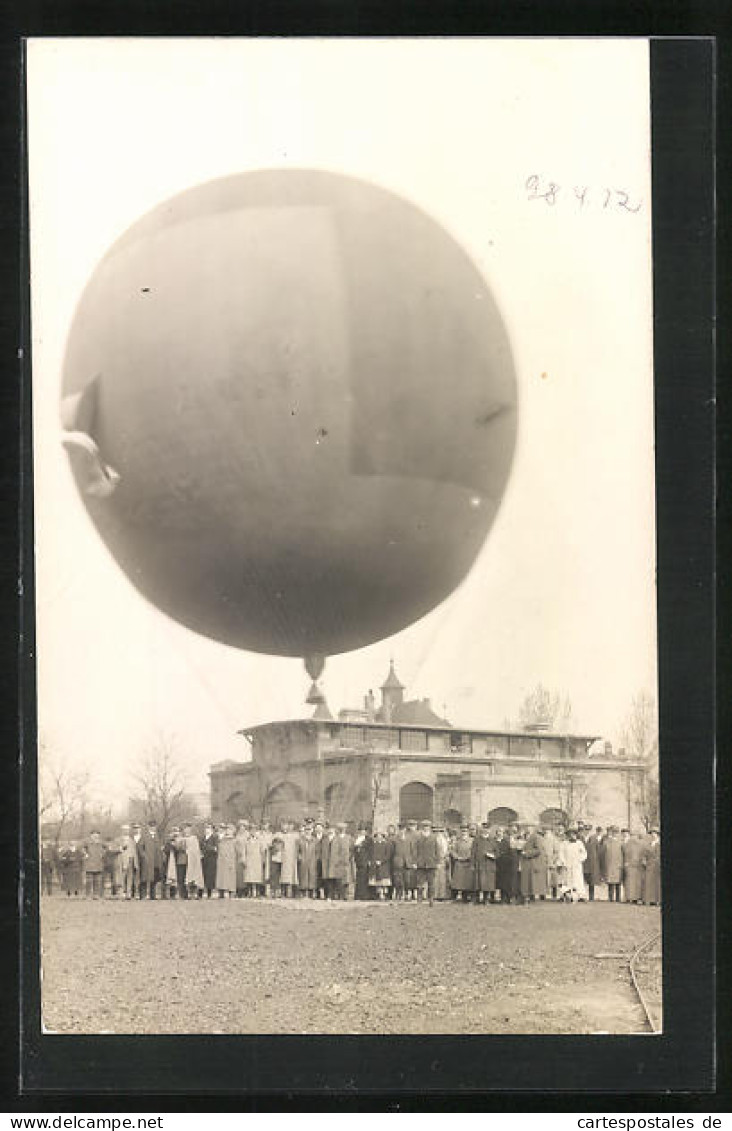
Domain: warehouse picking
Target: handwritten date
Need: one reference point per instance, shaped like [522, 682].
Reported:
[580, 196]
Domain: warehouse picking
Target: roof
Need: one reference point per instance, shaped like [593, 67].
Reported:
[451, 728]
[416, 712]
[391, 680]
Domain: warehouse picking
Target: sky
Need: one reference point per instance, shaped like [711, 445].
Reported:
[563, 591]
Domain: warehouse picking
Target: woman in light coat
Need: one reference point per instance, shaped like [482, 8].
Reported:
[573, 855]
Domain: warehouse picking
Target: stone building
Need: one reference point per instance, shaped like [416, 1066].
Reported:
[387, 763]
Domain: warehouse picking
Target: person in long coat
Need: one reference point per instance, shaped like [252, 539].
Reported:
[240, 847]
[288, 874]
[340, 864]
[507, 873]
[174, 873]
[442, 874]
[72, 868]
[318, 838]
[533, 867]
[326, 845]
[194, 868]
[150, 849]
[651, 865]
[462, 879]
[484, 857]
[209, 850]
[380, 851]
[226, 863]
[399, 864]
[551, 847]
[573, 853]
[611, 862]
[361, 854]
[633, 869]
[308, 850]
[592, 866]
[253, 863]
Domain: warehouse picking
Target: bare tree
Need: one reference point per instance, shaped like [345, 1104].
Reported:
[162, 782]
[639, 737]
[63, 790]
[639, 734]
[542, 707]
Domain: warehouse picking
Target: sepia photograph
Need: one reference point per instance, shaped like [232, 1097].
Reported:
[345, 539]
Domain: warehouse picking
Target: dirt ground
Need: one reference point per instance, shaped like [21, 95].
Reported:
[298, 966]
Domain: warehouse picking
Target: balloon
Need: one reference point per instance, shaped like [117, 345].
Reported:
[301, 399]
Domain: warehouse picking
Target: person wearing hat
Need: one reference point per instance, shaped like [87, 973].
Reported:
[462, 879]
[611, 862]
[361, 859]
[573, 853]
[150, 849]
[288, 874]
[174, 864]
[484, 856]
[380, 851]
[442, 874]
[399, 857]
[129, 861]
[308, 849]
[651, 865]
[410, 868]
[591, 866]
[341, 861]
[551, 847]
[226, 863]
[427, 855]
[194, 869]
[632, 850]
[94, 857]
[318, 838]
[209, 852]
[533, 867]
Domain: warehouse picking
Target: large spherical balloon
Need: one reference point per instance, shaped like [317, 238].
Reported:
[307, 394]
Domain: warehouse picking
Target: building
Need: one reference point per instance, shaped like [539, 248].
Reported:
[401, 760]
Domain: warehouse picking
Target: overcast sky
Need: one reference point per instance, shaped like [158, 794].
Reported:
[564, 588]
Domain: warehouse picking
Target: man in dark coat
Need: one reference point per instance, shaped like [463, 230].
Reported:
[427, 857]
[410, 866]
[592, 867]
[361, 857]
[485, 853]
[611, 861]
[209, 854]
[94, 853]
[399, 864]
[534, 867]
[150, 851]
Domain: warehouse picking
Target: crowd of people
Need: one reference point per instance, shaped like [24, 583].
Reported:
[483, 864]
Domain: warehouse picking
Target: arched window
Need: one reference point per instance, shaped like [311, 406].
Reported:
[335, 801]
[415, 802]
[553, 817]
[236, 806]
[502, 816]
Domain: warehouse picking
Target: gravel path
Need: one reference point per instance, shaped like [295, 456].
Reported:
[300, 966]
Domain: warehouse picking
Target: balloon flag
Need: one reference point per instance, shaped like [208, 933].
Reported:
[290, 408]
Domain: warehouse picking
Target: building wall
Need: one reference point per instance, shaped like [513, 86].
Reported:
[305, 767]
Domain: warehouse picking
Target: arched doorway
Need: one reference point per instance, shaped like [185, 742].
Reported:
[236, 806]
[415, 802]
[553, 817]
[335, 801]
[284, 800]
[502, 816]
[452, 818]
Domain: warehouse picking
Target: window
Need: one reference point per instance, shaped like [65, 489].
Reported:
[414, 740]
[352, 736]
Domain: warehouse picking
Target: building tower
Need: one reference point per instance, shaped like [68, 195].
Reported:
[392, 694]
